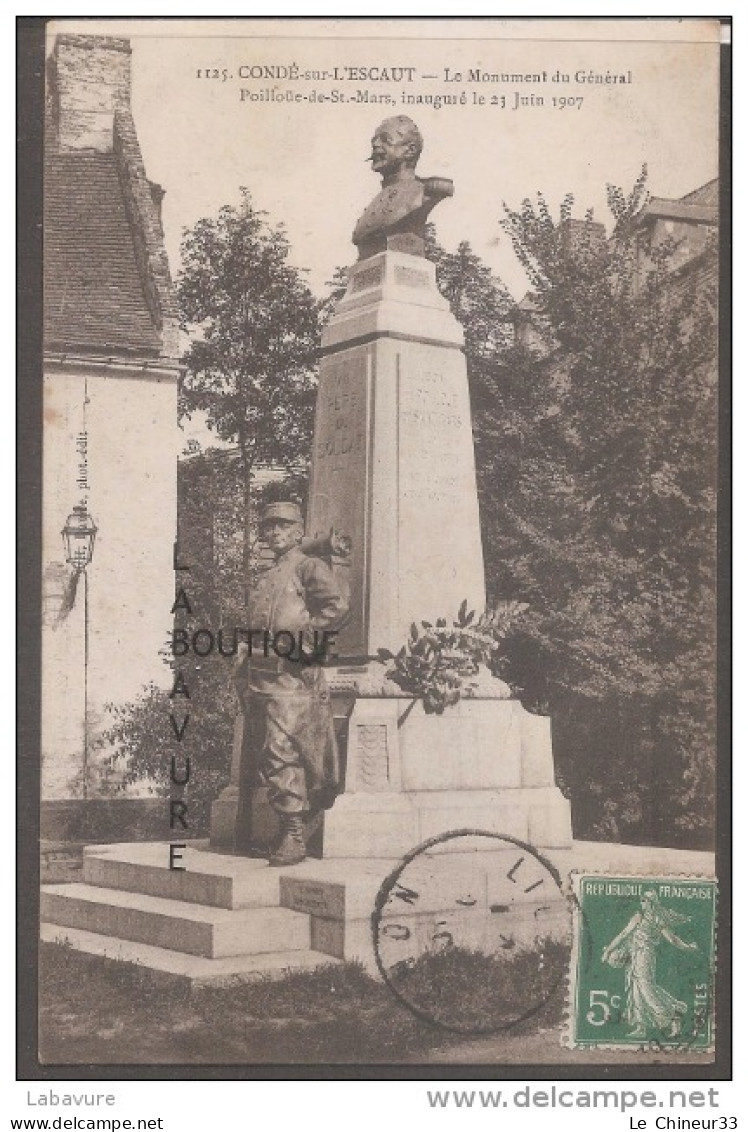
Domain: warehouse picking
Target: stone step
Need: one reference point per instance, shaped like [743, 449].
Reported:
[225, 880]
[220, 880]
[166, 966]
[196, 929]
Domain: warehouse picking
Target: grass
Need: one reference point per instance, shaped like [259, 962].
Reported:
[98, 1012]
[474, 993]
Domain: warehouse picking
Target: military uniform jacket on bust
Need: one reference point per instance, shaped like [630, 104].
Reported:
[389, 210]
[402, 207]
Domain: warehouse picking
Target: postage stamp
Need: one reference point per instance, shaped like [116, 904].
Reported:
[643, 961]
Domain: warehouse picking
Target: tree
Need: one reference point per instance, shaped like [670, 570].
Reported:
[597, 465]
[479, 301]
[254, 321]
[146, 749]
[483, 306]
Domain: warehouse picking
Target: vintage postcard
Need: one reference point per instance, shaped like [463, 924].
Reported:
[379, 547]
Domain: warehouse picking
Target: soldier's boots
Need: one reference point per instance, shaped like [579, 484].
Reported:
[291, 849]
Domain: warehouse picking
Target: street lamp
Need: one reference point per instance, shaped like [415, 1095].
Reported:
[79, 536]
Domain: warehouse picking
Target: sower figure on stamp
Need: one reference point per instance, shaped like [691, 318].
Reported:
[289, 743]
[649, 1006]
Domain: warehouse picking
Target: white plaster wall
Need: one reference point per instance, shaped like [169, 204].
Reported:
[131, 423]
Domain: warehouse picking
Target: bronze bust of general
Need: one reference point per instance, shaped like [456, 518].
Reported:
[396, 218]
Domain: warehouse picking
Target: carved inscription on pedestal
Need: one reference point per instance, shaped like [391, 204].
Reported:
[408, 277]
[339, 473]
[432, 415]
[373, 760]
[441, 559]
[369, 277]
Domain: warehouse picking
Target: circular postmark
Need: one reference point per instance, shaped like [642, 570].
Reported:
[472, 931]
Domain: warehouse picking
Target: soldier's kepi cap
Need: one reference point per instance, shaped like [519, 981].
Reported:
[287, 512]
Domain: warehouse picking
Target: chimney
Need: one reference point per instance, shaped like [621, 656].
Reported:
[157, 195]
[89, 80]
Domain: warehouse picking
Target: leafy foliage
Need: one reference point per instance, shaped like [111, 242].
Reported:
[597, 466]
[254, 326]
[254, 320]
[478, 300]
[145, 742]
[439, 664]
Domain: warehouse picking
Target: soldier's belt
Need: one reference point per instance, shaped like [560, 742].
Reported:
[262, 663]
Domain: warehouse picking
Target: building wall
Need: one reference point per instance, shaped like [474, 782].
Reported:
[129, 419]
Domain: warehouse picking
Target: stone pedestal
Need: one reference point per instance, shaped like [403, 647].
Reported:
[393, 469]
[227, 919]
[484, 764]
[393, 464]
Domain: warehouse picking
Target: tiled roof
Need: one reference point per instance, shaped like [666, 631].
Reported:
[94, 297]
[659, 208]
[699, 207]
[706, 194]
[531, 302]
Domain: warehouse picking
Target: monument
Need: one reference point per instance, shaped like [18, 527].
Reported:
[449, 828]
[393, 467]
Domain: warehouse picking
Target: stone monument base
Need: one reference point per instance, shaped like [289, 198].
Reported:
[483, 764]
[361, 826]
[225, 918]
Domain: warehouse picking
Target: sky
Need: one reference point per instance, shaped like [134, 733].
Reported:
[286, 108]
[304, 161]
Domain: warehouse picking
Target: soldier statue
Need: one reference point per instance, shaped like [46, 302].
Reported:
[289, 742]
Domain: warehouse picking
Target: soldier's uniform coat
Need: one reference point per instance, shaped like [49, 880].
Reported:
[289, 742]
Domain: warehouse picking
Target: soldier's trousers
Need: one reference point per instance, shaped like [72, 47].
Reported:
[272, 756]
[289, 742]
[280, 766]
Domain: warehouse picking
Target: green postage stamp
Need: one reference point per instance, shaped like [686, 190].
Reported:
[642, 967]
